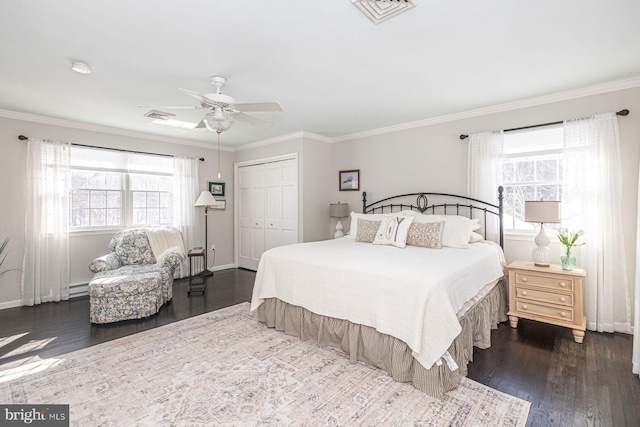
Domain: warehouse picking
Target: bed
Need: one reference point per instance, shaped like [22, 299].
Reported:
[414, 312]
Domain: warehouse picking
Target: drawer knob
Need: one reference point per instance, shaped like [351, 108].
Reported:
[563, 314]
[562, 299]
[524, 307]
[524, 293]
[563, 285]
[524, 279]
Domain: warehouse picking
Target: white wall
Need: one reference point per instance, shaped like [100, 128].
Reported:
[84, 248]
[433, 158]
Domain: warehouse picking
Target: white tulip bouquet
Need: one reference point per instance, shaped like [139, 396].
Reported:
[570, 239]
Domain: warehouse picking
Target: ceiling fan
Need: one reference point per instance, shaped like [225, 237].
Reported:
[224, 110]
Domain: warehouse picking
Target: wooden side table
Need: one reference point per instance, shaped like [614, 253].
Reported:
[197, 277]
[547, 294]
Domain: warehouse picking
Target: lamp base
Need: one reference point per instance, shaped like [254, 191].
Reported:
[541, 254]
[339, 228]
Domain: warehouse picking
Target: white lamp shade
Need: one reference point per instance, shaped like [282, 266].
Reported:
[339, 210]
[548, 212]
[206, 199]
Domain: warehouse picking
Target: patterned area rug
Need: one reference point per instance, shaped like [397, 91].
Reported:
[226, 368]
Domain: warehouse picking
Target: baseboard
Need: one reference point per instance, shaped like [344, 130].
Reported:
[10, 304]
[222, 267]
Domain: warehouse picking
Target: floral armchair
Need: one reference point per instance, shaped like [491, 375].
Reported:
[130, 281]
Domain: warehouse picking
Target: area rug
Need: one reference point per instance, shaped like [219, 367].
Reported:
[224, 368]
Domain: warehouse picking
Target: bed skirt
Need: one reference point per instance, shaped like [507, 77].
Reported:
[365, 344]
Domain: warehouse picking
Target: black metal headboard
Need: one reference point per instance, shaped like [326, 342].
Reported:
[469, 206]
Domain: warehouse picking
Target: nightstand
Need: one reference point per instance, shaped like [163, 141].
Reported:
[547, 294]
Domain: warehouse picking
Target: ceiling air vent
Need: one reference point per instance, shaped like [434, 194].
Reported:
[380, 10]
[155, 114]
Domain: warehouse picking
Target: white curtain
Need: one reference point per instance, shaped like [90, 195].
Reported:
[45, 267]
[636, 322]
[591, 200]
[485, 172]
[185, 193]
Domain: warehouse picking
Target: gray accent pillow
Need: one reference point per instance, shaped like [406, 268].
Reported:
[426, 235]
[366, 230]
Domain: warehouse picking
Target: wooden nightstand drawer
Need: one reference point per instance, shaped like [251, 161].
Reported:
[563, 314]
[546, 297]
[550, 282]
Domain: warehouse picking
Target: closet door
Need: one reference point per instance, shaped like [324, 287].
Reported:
[281, 197]
[251, 215]
[267, 210]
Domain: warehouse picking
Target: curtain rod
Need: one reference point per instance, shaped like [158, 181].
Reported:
[24, 138]
[624, 112]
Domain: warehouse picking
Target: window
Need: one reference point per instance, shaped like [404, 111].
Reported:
[111, 189]
[151, 199]
[531, 170]
[96, 198]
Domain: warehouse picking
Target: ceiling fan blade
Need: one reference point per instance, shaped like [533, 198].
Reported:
[256, 107]
[183, 107]
[250, 120]
[197, 96]
[201, 125]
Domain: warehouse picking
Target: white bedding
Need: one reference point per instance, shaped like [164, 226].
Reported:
[412, 294]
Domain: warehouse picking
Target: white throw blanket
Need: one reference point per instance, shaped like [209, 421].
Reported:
[164, 240]
[412, 294]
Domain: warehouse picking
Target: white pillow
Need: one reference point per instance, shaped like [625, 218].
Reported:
[475, 237]
[457, 229]
[393, 230]
[353, 228]
[475, 224]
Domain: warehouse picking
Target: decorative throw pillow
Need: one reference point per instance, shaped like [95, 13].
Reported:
[457, 229]
[366, 230]
[353, 228]
[393, 230]
[426, 235]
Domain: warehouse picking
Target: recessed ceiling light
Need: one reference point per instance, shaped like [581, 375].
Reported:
[81, 67]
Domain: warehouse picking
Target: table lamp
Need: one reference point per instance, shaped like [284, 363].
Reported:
[339, 210]
[544, 212]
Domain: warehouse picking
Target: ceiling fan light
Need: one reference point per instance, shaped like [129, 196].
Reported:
[215, 123]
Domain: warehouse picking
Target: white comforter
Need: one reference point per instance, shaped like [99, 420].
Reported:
[412, 294]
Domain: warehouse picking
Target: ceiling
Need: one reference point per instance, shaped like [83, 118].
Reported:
[333, 71]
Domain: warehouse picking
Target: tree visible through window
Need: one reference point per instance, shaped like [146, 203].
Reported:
[531, 170]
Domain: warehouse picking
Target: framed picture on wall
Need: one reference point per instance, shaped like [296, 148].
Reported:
[216, 189]
[349, 180]
[222, 205]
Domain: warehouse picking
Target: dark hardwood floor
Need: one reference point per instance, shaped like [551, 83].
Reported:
[568, 384]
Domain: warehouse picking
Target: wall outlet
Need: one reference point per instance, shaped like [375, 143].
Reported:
[213, 247]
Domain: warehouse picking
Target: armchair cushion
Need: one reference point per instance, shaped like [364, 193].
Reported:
[132, 247]
[105, 263]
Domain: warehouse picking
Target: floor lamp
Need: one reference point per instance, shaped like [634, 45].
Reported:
[206, 200]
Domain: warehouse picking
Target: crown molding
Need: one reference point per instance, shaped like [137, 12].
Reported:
[105, 129]
[283, 138]
[499, 108]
